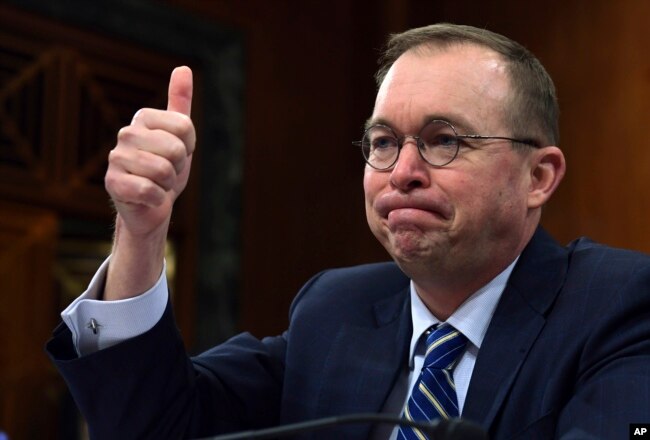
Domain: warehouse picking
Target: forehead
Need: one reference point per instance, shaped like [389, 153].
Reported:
[465, 84]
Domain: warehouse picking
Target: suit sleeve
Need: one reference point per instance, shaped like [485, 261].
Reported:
[148, 388]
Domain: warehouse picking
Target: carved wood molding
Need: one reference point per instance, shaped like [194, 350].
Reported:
[62, 102]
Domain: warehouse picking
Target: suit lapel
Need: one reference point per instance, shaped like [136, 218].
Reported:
[516, 324]
[374, 355]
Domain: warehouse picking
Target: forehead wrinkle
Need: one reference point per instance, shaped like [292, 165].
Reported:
[452, 82]
[460, 123]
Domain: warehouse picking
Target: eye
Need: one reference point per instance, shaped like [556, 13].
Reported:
[444, 140]
[379, 138]
[439, 135]
[383, 142]
[441, 141]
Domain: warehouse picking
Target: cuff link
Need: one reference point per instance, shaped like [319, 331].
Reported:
[93, 325]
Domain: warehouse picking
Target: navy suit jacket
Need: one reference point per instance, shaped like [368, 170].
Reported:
[566, 355]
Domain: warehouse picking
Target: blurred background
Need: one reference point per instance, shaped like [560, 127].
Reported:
[282, 87]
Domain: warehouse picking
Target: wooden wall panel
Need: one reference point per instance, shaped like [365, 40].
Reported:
[30, 390]
[63, 96]
[599, 53]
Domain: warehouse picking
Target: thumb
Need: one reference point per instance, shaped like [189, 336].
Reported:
[179, 97]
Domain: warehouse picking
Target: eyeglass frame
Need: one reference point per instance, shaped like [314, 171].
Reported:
[418, 141]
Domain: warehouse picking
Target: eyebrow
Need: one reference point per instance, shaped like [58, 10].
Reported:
[457, 121]
[375, 121]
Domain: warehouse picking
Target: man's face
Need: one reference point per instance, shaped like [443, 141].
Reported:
[471, 215]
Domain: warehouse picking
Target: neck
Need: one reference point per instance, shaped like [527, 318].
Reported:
[443, 299]
[446, 288]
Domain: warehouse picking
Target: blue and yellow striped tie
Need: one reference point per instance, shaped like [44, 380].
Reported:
[434, 393]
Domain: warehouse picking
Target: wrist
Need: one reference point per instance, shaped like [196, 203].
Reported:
[136, 261]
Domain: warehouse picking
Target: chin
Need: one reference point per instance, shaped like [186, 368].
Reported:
[409, 247]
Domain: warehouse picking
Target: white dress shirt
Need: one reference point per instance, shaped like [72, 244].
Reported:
[471, 319]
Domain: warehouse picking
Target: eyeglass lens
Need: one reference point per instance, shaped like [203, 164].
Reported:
[437, 143]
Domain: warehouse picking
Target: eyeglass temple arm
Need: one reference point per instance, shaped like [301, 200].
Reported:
[520, 141]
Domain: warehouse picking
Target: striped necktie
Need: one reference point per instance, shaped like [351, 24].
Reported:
[434, 394]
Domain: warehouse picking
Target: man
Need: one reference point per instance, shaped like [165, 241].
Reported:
[548, 342]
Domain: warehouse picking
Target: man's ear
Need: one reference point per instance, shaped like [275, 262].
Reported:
[547, 170]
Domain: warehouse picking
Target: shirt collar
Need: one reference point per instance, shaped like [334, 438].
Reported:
[471, 318]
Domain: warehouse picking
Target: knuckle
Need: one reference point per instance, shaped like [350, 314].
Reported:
[114, 156]
[141, 116]
[119, 161]
[185, 123]
[114, 185]
[148, 193]
[164, 172]
[177, 151]
[125, 134]
[136, 116]
[143, 189]
[109, 181]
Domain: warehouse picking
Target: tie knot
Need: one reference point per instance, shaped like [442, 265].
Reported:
[444, 346]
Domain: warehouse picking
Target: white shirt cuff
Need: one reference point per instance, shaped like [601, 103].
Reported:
[97, 324]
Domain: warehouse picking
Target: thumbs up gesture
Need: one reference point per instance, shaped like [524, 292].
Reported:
[150, 165]
[147, 170]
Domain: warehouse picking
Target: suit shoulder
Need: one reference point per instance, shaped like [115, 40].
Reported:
[365, 283]
[599, 267]
[373, 273]
[587, 251]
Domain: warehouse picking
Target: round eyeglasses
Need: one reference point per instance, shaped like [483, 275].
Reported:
[438, 143]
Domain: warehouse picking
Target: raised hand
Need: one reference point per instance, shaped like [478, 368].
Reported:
[147, 171]
[150, 165]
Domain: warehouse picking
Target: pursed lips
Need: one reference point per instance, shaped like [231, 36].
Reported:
[393, 202]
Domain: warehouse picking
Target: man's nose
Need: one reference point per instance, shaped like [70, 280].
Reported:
[410, 171]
